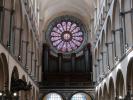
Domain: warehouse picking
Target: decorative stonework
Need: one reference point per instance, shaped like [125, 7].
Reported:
[66, 34]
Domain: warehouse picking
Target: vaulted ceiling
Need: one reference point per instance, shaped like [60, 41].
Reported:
[81, 8]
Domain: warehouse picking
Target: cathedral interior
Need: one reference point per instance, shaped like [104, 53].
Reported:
[66, 49]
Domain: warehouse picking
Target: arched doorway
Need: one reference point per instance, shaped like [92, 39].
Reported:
[120, 88]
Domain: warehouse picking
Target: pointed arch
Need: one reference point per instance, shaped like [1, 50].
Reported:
[14, 77]
[120, 86]
[100, 94]
[17, 28]
[116, 25]
[4, 72]
[105, 92]
[111, 89]
[109, 43]
[24, 41]
[129, 76]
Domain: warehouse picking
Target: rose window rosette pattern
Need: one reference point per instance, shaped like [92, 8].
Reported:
[66, 36]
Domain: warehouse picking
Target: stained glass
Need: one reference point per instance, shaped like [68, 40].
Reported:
[55, 34]
[64, 25]
[55, 38]
[60, 27]
[78, 38]
[66, 36]
[76, 42]
[78, 34]
[72, 27]
[68, 25]
[56, 42]
[76, 30]
[60, 45]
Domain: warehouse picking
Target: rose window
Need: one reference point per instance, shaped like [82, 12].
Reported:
[66, 36]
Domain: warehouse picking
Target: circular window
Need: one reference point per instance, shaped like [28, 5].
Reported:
[66, 34]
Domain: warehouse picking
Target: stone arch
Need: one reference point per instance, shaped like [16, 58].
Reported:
[109, 43]
[111, 89]
[120, 86]
[127, 22]
[8, 4]
[108, 30]
[129, 76]
[17, 28]
[4, 72]
[18, 14]
[115, 15]
[100, 94]
[14, 76]
[116, 25]
[24, 41]
[30, 53]
[105, 92]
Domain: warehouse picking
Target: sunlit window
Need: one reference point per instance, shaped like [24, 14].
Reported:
[53, 96]
[79, 96]
[66, 36]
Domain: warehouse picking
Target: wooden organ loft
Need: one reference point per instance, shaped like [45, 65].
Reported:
[66, 72]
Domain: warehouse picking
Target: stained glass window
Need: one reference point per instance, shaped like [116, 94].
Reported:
[79, 96]
[53, 96]
[66, 36]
